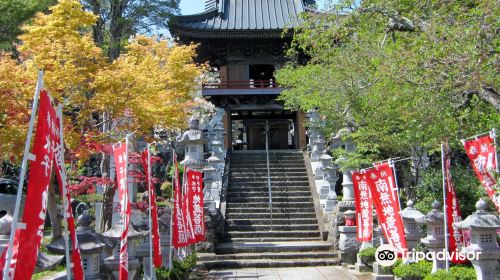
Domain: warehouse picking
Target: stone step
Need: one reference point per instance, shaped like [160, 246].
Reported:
[268, 216]
[274, 192]
[275, 178]
[265, 210]
[273, 173]
[295, 204]
[274, 233]
[228, 264]
[291, 227]
[268, 256]
[258, 247]
[263, 162]
[233, 185]
[271, 239]
[255, 189]
[264, 165]
[277, 199]
[264, 169]
[275, 221]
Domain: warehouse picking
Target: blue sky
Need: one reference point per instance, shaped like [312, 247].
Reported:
[189, 7]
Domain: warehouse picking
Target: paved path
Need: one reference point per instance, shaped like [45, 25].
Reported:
[284, 273]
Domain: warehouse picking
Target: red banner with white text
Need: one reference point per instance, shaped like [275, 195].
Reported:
[453, 214]
[121, 160]
[364, 205]
[179, 234]
[155, 230]
[195, 204]
[482, 155]
[383, 189]
[40, 173]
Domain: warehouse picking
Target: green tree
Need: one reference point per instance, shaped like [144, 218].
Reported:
[14, 14]
[402, 75]
[118, 20]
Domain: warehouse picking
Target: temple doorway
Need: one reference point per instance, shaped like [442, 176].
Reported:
[249, 130]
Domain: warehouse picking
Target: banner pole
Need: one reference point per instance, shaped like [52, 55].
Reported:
[493, 134]
[475, 136]
[444, 205]
[171, 248]
[64, 194]
[150, 214]
[391, 163]
[26, 155]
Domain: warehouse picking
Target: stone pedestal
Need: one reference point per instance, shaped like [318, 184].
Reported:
[381, 272]
[360, 266]
[348, 246]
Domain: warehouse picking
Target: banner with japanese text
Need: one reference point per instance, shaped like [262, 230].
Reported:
[155, 230]
[364, 205]
[179, 234]
[40, 172]
[187, 198]
[453, 214]
[62, 178]
[382, 186]
[120, 154]
[195, 204]
[482, 155]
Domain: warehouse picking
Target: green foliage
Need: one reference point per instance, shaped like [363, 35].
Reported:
[467, 187]
[455, 273]
[48, 273]
[180, 269]
[167, 190]
[14, 14]
[413, 271]
[367, 255]
[397, 90]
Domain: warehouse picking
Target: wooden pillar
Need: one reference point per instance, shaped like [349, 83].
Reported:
[300, 134]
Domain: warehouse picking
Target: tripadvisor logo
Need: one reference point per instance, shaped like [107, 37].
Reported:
[387, 255]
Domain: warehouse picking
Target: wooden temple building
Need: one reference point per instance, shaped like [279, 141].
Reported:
[245, 41]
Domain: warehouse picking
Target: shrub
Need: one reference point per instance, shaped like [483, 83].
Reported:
[455, 273]
[413, 271]
[180, 269]
[367, 255]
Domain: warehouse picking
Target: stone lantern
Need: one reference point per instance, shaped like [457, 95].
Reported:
[331, 179]
[412, 232]
[317, 148]
[90, 243]
[5, 228]
[164, 220]
[434, 241]
[483, 226]
[113, 262]
[348, 245]
[210, 190]
[193, 142]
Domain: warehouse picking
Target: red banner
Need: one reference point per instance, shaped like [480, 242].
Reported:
[121, 159]
[155, 230]
[179, 237]
[482, 155]
[381, 181]
[40, 172]
[195, 204]
[76, 258]
[364, 205]
[453, 214]
[14, 254]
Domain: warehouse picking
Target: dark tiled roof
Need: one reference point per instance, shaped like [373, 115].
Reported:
[240, 16]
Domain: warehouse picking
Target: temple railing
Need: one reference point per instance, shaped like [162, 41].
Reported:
[243, 84]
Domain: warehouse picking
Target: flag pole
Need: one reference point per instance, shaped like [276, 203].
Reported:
[475, 136]
[26, 156]
[444, 205]
[148, 180]
[493, 134]
[64, 194]
[391, 163]
[171, 248]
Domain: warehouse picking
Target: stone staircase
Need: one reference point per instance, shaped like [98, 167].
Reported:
[249, 240]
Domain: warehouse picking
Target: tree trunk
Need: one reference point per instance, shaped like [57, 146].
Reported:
[116, 27]
[55, 218]
[491, 96]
